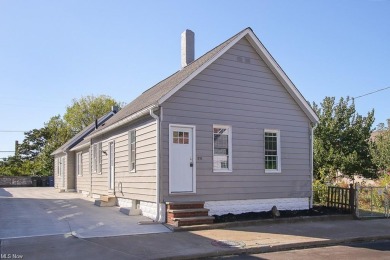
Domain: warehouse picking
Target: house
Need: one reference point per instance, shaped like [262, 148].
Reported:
[227, 133]
[65, 160]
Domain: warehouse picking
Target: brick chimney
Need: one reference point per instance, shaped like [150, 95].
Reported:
[187, 47]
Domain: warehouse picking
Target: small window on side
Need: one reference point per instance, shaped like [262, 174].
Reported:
[272, 158]
[222, 148]
[132, 150]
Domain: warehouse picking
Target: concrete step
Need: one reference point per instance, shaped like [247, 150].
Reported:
[130, 211]
[107, 198]
[105, 202]
[190, 221]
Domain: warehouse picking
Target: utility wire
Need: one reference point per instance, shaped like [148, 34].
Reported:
[11, 131]
[371, 92]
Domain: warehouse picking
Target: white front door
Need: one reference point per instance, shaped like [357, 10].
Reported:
[181, 159]
[111, 165]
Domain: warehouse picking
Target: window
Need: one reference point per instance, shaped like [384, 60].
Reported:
[58, 166]
[132, 140]
[97, 158]
[79, 164]
[61, 165]
[180, 137]
[272, 150]
[94, 158]
[99, 161]
[222, 148]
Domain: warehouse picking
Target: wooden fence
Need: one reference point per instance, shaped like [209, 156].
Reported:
[342, 198]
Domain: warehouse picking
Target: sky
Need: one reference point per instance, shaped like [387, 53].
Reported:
[52, 52]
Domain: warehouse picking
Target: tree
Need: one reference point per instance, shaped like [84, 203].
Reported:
[33, 143]
[85, 110]
[38, 145]
[60, 132]
[380, 151]
[341, 140]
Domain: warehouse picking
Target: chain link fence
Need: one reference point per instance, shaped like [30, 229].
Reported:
[372, 202]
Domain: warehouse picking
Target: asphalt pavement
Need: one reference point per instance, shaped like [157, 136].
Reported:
[42, 211]
[231, 239]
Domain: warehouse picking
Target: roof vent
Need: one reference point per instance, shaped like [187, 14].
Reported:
[114, 109]
[187, 47]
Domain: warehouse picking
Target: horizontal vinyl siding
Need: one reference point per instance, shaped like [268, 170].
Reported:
[248, 97]
[140, 185]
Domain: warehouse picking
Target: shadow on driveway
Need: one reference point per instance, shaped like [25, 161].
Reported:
[29, 212]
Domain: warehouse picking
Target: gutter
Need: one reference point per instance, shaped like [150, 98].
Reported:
[124, 121]
[311, 162]
[157, 219]
[78, 147]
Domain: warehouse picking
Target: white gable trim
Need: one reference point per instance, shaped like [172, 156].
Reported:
[281, 75]
[269, 60]
[201, 68]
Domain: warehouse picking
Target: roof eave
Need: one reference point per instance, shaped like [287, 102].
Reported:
[79, 147]
[124, 121]
[204, 66]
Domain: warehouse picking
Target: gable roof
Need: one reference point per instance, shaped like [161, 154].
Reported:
[79, 137]
[160, 92]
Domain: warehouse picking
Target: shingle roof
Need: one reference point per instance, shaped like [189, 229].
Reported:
[153, 94]
[82, 134]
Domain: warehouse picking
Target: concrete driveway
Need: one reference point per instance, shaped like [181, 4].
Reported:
[26, 212]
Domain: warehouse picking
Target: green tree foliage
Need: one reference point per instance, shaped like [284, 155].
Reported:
[380, 150]
[34, 155]
[59, 133]
[33, 143]
[85, 110]
[341, 140]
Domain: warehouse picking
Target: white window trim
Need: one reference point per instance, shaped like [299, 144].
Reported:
[230, 155]
[61, 165]
[58, 166]
[94, 158]
[79, 163]
[99, 158]
[279, 152]
[135, 150]
[111, 186]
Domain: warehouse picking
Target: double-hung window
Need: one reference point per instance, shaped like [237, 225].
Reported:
[59, 166]
[272, 151]
[222, 148]
[132, 141]
[79, 164]
[97, 158]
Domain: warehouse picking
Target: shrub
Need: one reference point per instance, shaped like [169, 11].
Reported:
[320, 192]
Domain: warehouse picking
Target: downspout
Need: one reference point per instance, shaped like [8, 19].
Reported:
[311, 162]
[157, 163]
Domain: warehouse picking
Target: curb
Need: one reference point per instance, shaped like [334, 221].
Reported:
[259, 222]
[279, 248]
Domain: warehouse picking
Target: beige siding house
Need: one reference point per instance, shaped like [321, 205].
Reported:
[66, 175]
[229, 132]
